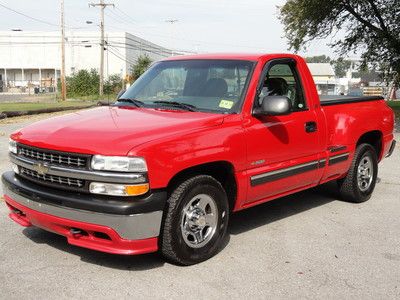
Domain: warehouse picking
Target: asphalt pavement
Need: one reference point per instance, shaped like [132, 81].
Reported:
[308, 245]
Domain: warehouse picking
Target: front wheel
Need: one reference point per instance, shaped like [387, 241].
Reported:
[196, 221]
[360, 181]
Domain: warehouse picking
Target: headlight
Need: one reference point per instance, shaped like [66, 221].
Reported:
[118, 163]
[118, 189]
[12, 146]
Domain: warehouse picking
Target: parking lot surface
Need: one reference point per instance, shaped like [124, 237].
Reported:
[308, 245]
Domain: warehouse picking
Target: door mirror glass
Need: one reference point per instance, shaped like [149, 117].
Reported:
[274, 106]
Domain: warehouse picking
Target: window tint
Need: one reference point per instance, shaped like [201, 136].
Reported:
[282, 80]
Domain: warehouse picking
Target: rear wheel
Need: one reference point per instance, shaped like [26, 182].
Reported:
[360, 181]
[196, 221]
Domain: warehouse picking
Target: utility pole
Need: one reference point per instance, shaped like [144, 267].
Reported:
[102, 6]
[172, 22]
[63, 85]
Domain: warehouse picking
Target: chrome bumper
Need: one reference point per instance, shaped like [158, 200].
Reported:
[130, 227]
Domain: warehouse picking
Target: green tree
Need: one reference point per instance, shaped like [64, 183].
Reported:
[341, 66]
[142, 64]
[368, 27]
[318, 59]
[83, 83]
[113, 84]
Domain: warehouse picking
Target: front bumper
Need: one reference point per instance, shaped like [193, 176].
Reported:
[111, 226]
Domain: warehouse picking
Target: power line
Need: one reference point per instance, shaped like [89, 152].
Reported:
[125, 14]
[125, 20]
[128, 46]
[150, 48]
[124, 29]
[121, 57]
[173, 21]
[35, 19]
[110, 16]
[142, 44]
[29, 17]
[122, 18]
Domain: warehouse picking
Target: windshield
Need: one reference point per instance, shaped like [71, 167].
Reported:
[195, 85]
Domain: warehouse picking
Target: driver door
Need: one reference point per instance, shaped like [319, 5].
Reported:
[282, 150]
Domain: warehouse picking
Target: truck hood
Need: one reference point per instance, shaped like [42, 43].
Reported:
[111, 130]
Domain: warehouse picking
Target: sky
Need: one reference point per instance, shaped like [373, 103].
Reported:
[201, 26]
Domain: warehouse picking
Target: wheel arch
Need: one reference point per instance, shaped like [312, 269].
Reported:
[375, 139]
[222, 171]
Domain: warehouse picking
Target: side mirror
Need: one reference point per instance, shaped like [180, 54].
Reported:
[274, 106]
[121, 92]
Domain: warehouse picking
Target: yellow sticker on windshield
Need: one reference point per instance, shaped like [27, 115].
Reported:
[226, 104]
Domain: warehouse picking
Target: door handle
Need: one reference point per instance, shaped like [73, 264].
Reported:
[310, 126]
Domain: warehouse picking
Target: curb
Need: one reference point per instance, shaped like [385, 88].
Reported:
[11, 114]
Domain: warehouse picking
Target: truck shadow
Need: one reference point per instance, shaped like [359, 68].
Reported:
[281, 208]
[240, 222]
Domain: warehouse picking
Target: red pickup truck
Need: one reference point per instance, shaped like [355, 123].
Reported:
[193, 140]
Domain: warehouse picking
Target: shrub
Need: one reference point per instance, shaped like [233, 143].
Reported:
[83, 83]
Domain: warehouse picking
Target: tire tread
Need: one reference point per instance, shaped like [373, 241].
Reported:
[173, 201]
[347, 186]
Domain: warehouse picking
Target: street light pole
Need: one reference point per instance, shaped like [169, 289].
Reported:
[63, 84]
[172, 22]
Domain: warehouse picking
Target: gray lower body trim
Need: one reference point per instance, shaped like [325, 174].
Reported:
[338, 158]
[130, 227]
[295, 170]
[286, 172]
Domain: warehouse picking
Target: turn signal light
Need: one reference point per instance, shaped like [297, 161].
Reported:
[118, 189]
[134, 190]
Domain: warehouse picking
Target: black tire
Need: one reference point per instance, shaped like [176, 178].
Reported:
[172, 243]
[348, 186]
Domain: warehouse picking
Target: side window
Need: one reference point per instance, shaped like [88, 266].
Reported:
[283, 80]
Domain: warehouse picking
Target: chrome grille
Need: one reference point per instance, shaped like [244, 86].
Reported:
[52, 179]
[54, 157]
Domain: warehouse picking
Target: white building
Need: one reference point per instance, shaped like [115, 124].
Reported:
[34, 58]
[324, 77]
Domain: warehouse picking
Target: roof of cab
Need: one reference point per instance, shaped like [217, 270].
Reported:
[233, 56]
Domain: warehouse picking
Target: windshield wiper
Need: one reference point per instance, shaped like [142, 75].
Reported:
[137, 103]
[185, 106]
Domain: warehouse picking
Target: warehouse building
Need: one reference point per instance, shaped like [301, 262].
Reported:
[33, 59]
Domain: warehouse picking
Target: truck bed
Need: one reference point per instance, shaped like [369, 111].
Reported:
[337, 99]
